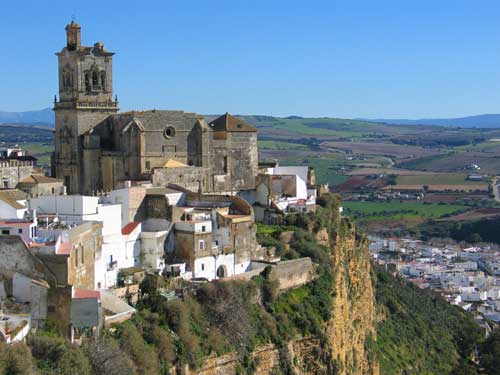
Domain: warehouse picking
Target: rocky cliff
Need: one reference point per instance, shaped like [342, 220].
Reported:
[341, 349]
[353, 307]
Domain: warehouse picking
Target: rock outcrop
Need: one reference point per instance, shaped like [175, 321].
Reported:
[342, 348]
[353, 306]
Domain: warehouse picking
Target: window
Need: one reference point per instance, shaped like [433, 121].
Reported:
[203, 228]
[201, 245]
[103, 80]
[169, 132]
[20, 231]
[203, 267]
[87, 81]
[67, 181]
[5, 231]
[53, 191]
[83, 254]
[5, 184]
[148, 165]
[225, 164]
[95, 81]
[76, 257]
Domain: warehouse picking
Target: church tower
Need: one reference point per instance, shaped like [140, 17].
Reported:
[85, 100]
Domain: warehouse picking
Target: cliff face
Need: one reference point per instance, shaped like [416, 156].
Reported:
[353, 307]
[342, 348]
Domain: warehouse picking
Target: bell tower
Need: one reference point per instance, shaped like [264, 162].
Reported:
[73, 36]
[85, 99]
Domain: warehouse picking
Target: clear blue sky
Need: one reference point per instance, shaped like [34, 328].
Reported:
[415, 58]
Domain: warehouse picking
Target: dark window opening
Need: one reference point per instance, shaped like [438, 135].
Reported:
[5, 231]
[20, 231]
[95, 81]
[225, 164]
[87, 81]
[103, 81]
[148, 165]
[169, 132]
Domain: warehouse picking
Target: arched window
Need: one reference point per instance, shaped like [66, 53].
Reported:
[87, 81]
[95, 81]
[103, 81]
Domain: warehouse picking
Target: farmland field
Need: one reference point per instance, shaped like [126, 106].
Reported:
[435, 179]
[399, 210]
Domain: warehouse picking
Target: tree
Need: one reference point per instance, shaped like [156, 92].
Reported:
[107, 358]
[490, 354]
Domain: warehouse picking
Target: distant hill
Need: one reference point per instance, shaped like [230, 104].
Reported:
[490, 121]
[41, 117]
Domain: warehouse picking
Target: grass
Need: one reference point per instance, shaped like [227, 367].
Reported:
[399, 210]
[281, 145]
[435, 179]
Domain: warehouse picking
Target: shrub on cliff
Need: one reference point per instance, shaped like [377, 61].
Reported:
[15, 359]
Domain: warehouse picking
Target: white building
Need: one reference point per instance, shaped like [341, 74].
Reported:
[121, 245]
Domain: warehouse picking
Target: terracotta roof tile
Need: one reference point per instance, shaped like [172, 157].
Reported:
[231, 123]
[82, 293]
[129, 228]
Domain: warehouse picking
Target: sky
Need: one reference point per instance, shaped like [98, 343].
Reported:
[348, 59]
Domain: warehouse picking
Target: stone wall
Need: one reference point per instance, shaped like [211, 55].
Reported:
[293, 273]
[13, 171]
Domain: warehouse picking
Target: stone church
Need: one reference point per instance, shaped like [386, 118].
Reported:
[97, 148]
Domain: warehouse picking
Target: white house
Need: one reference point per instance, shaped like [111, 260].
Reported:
[12, 204]
[121, 244]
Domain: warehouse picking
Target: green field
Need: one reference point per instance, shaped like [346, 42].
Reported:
[40, 150]
[281, 145]
[399, 210]
[436, 179]
[325, 168]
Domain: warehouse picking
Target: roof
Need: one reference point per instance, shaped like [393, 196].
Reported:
[129, 228]
[10, 198]
[39, 179]
[162, 191]
[64, 248]
[82, 293]
[171, 163]
[231, 123]
[14, 223]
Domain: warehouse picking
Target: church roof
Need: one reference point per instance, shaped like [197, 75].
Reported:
[231, 123]
[171, 163]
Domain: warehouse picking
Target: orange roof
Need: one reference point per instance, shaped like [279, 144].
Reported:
[15, 223]
[64, 248]
[82, 293]
[129, 228]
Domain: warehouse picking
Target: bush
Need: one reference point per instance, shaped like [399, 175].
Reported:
[106, 357]
[132, 343]
[15, 359]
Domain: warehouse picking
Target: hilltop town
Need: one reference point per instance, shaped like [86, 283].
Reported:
[162, 194]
